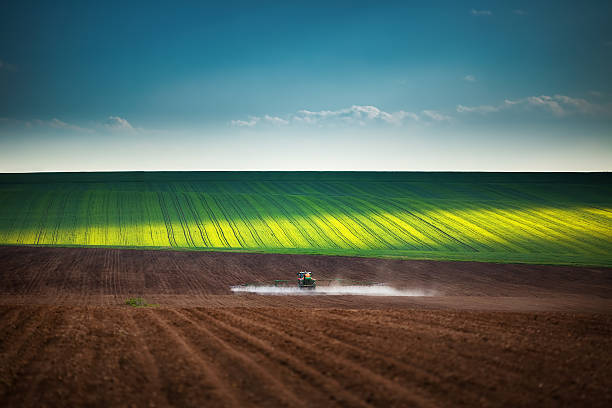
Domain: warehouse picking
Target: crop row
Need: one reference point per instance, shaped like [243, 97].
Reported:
[352, 217]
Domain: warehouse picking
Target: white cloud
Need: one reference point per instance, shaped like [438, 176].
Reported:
[477, 109]
[117, 123]
[579, 105]
[475, 12]
[54, 123]
[435, 115]
[558, 105]
[519, 12]
[355, 115]
[58, 124]
[562, 105]
[398, 117]
[469, 78]
[508, 102]
[546, 102]
[275, 120]
[245, 123]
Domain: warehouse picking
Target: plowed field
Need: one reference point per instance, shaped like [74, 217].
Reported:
[491, 335]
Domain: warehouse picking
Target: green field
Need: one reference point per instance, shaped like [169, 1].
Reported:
[504, 217]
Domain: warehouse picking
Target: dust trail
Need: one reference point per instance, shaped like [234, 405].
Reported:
[374, 290]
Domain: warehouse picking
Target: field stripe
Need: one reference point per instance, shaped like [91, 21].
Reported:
[355, 215]
[232, 201]
[311, 242]
[404, 210]
[167, 222]
[297, 206]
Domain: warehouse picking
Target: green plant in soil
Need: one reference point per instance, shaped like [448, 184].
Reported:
[139, 302]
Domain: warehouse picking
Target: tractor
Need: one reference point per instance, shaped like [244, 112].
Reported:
[306, 281]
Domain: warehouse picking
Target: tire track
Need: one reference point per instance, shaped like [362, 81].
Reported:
[195, 287]
[167, 220]
[213, 219]
[316, 211]
[43, 220]
[182, 218]
[343, 205]
[389, 203]
[37, 277]
[117, 274]
[393, 225]
[121, 238]
[298, 207]
[293, 221]
[260, 200]
[319, 205]
[198, 221]
[249, 200]
[238, 210]
[231, 223]
[145, 209]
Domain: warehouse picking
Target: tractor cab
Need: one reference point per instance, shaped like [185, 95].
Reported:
[305, 280]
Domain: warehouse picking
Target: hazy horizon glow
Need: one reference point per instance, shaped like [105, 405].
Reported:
[306, 86]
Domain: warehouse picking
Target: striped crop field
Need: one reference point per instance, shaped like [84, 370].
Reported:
[561, 218]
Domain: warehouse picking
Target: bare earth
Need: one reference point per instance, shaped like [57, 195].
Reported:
[491, 334]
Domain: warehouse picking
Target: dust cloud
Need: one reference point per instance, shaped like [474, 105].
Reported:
[372, 290]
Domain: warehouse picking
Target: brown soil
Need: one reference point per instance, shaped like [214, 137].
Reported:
[493, 335]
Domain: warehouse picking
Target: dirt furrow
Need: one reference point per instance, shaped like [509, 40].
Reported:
[145, 361]
[335, 338]
[38, 371]
[307, 372]
[22, 345]
[189, 377]
[363, 380]
[472, 345]
[243, 367]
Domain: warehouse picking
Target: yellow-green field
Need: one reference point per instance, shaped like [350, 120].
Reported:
[541, 218]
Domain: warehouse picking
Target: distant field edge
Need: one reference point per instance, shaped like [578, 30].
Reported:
[491, 257]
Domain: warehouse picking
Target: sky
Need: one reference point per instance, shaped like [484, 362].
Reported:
[292, 85]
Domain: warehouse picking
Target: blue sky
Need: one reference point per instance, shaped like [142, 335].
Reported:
[448, 85]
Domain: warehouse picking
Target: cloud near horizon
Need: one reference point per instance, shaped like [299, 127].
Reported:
[360, 115]
[253, 120]
[58, 124]
[558, 105]
[114, 123]
[118, 123]
[54, 123]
